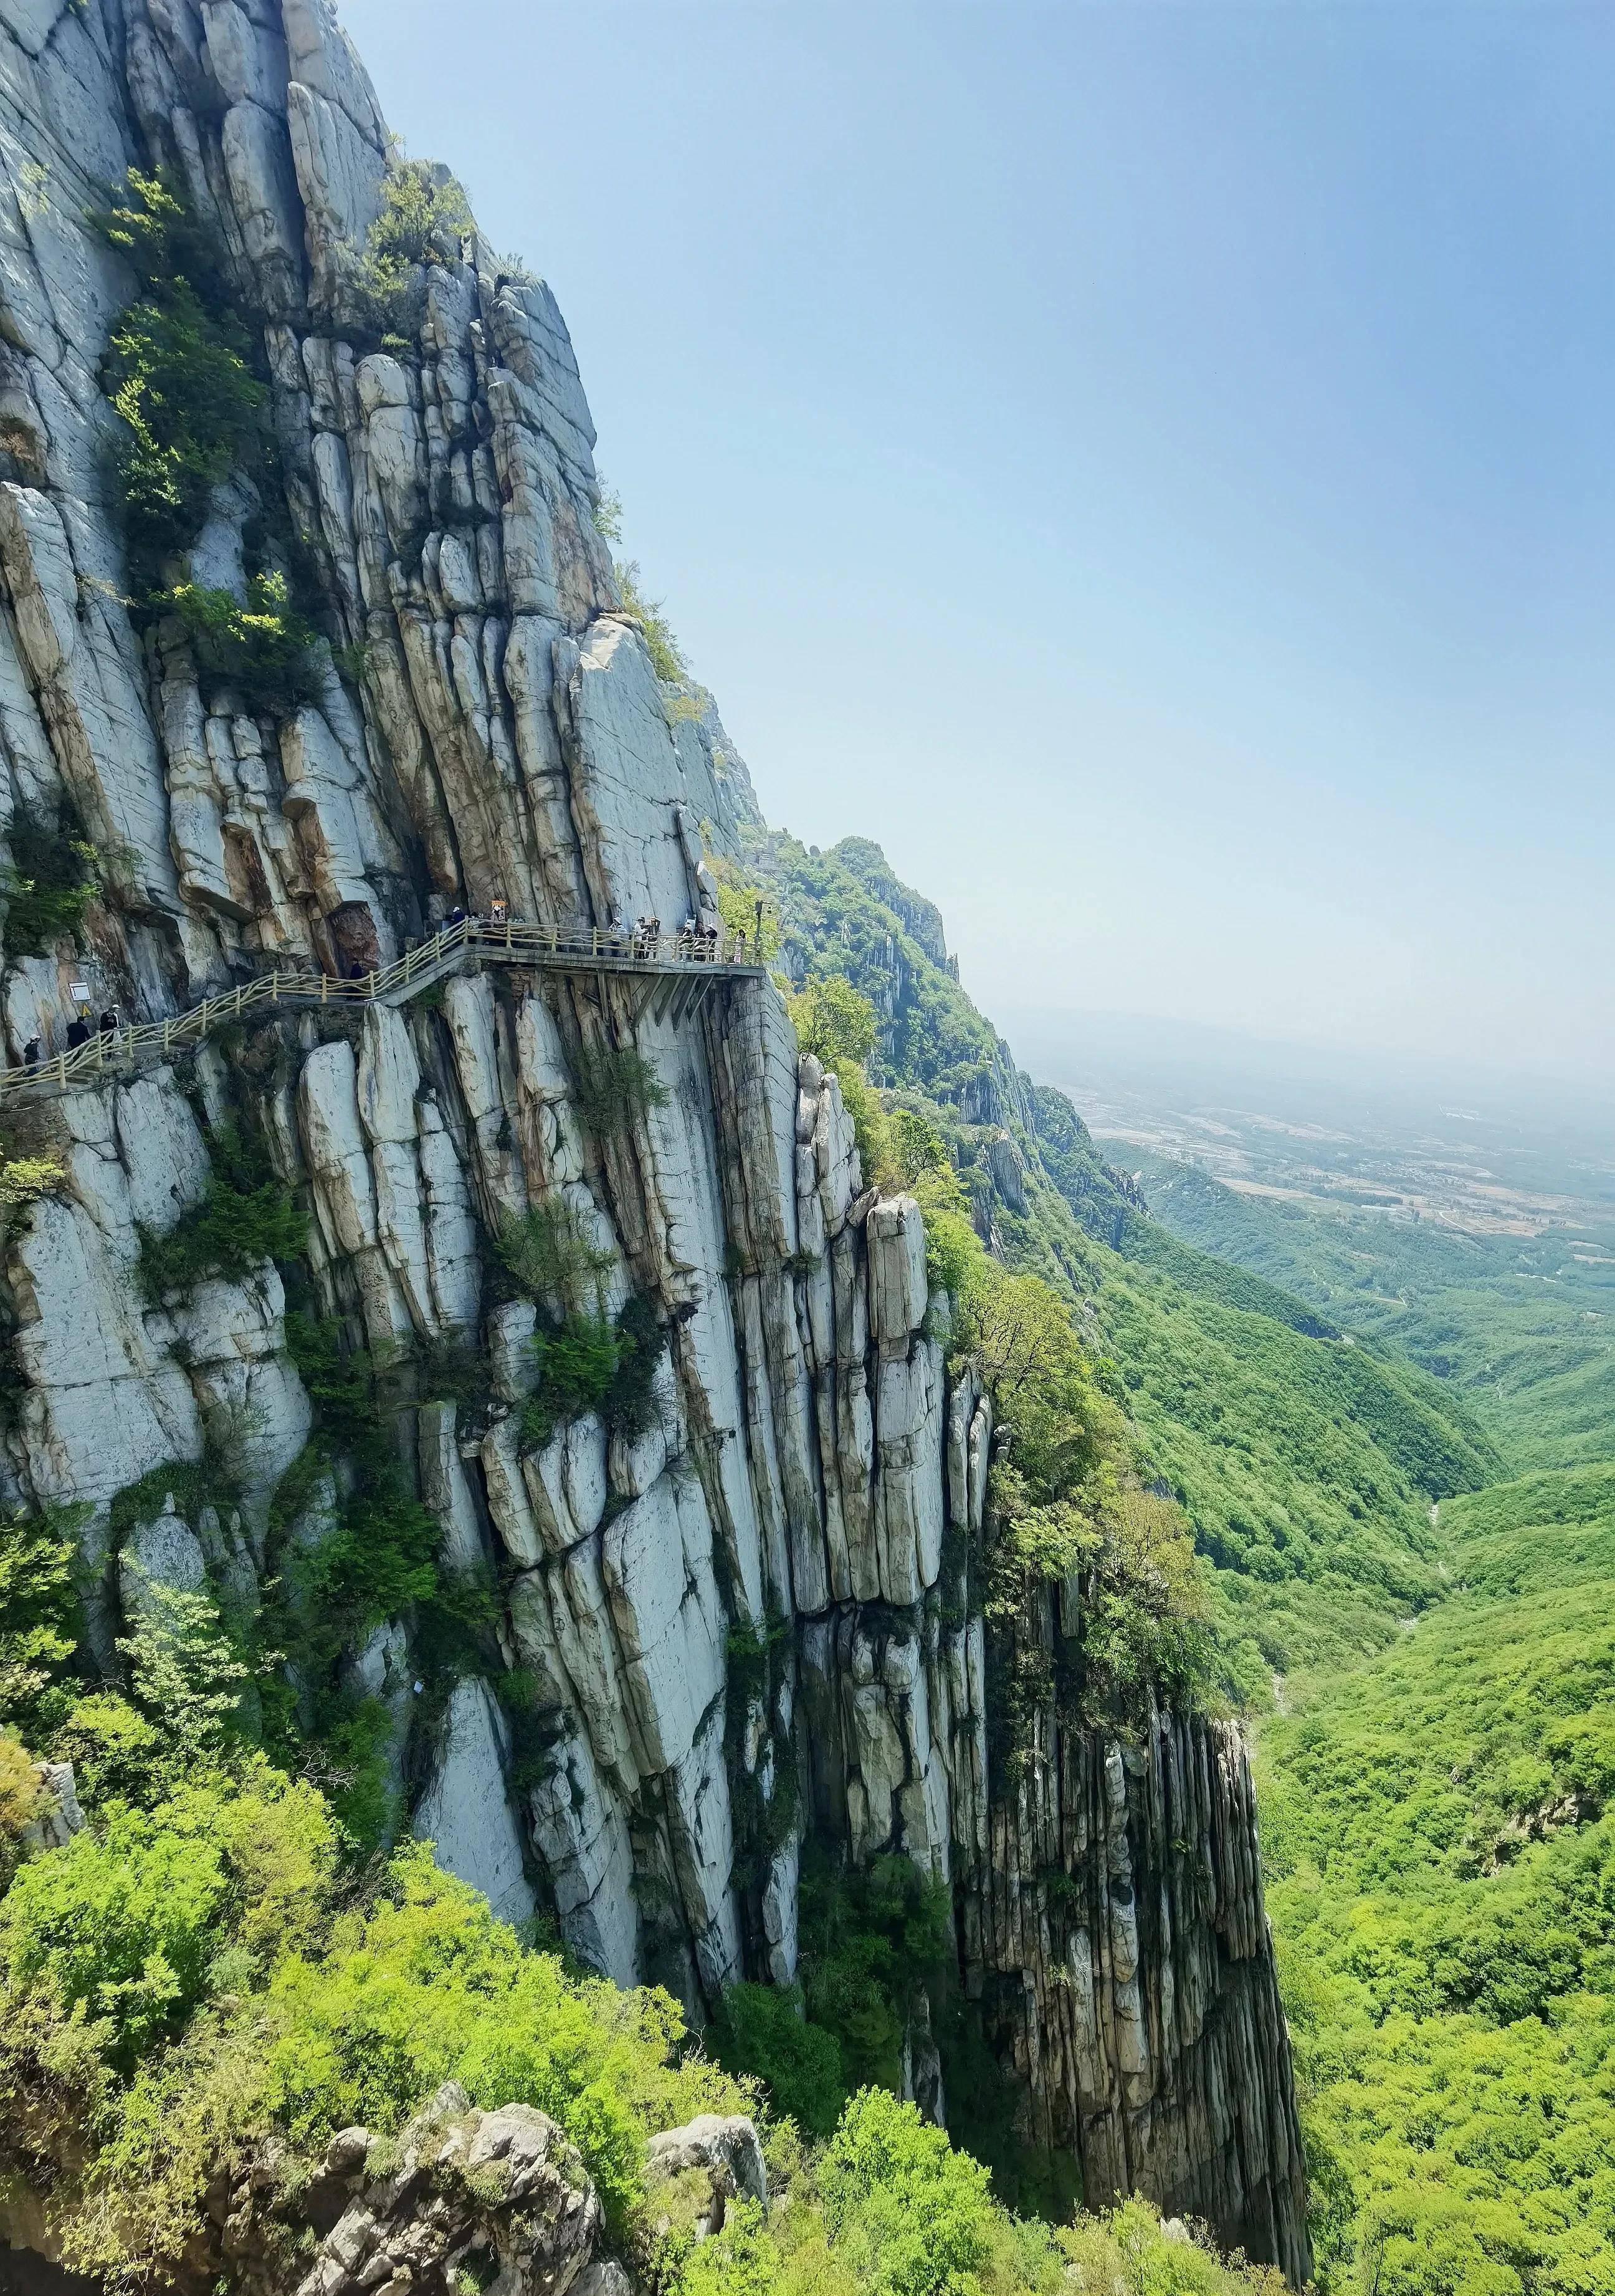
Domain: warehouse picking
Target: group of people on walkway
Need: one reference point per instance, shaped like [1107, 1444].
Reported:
[80, 1028]
[699, 938]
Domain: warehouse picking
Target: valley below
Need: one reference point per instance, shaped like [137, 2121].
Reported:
[1434, 1812]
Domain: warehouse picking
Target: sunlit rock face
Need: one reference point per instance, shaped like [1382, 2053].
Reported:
[488, 722]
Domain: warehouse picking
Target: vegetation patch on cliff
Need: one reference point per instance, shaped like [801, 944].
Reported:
[247, 1217]
[48, 882]
[181, 372]
[262, 653]
[615, 1087]
[424, 216]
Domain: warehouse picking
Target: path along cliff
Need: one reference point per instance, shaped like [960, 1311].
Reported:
[483, 721]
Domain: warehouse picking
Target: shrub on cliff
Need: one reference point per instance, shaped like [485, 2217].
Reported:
[834, 1022]
[615, 1088]
[764, 2030]
[423, 216]
[590, 1363]
[263, 652]
[837, 1025]
[740, 901]
[577, 1362]
[909, 2213]
[178, 373]
[667, 655]
[550, 1256]
[248, 1215]
[38, 1612]
[124, 1927]
[47, 884]
[22, 1798]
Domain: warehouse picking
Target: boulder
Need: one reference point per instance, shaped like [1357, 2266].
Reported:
[713, 2160]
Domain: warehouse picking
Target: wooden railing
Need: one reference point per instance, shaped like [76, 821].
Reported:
[507, 941]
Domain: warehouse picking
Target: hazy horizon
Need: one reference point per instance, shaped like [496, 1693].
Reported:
[1148, 467]
[1153, 1036]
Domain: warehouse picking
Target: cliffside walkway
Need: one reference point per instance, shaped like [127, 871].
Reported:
[677, 970]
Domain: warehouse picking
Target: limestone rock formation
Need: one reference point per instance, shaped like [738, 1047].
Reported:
[487, 723]
[500, 2194]
[460, 2196]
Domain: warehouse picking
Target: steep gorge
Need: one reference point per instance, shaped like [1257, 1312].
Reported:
[488, 724]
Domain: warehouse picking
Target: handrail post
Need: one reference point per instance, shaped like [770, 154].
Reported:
[324, 986]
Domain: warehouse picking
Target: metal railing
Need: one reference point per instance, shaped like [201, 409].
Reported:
[509, 941]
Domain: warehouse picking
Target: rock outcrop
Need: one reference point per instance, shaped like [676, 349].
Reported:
[488, 724]
[501, 2196]
[459, 2197]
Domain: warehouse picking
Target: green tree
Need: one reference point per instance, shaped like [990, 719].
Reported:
[38, 1611]
[916, 2216]
[834, 1022]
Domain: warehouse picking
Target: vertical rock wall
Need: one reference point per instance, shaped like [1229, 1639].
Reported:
[492, 725]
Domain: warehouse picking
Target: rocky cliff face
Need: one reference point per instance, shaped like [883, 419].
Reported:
[489, 725]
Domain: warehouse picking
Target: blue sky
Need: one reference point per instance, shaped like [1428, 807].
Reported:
[1153, 467]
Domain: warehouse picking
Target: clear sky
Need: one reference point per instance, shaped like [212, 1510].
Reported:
[1152, 467]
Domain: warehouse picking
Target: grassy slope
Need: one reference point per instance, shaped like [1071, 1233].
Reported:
[1522, 1330]
[1307, 1463]
[1443, 1891]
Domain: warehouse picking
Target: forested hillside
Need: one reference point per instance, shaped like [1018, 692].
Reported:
[1306, 1459]
[1436, 1820]
[1441, 1854]
[1520, 1328]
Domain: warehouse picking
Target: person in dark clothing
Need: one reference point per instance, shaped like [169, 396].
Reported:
[78, 1029]
[31, 1052]
[457, 916]
[108, 1021]
[356, 972]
